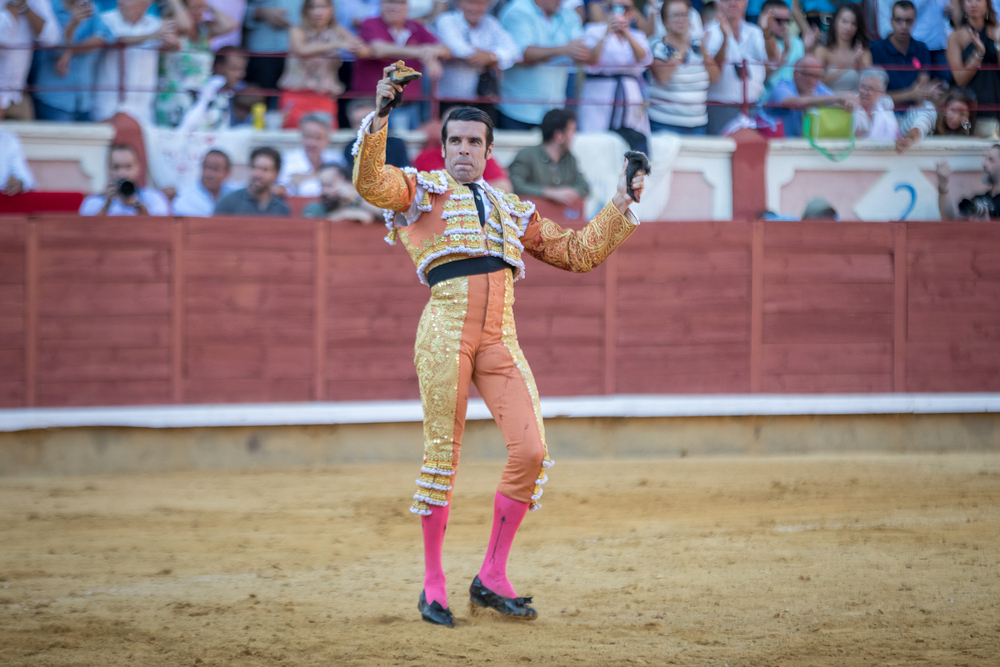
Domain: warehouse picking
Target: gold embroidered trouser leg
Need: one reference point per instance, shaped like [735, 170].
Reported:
[467, 334]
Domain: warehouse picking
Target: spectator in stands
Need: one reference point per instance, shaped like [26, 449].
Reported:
[352, 13]
[259, 197]
[311, 82]
[980, 206]
[391, 36]
[338, 200]
[123, 196]
[395, 148]
[611, 98]
[480, 50]
[185, 71]
[845, 53]
[432, 156]
[819, 15]
[930, 27]
[681, 74]
[774, 21]
[237, 11]
[15, 174]
[299, 177]
[199, 199]
[731, 41]
[790, 99]
[956, 118]
[143, 34]
[873, 116]
[549, 170]
[819, 209]
[972, 57]
[214, 107]
[908, 59]
[22, 24]
[64, 79]
[550, 42]
[266, 32]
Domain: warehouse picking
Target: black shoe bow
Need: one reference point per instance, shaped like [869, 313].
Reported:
[434, 612]
[511, 607]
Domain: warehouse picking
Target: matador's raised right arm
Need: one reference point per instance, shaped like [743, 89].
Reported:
[379, 184]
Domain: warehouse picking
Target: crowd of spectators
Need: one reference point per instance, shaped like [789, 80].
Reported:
[902, 70]
[632, 66]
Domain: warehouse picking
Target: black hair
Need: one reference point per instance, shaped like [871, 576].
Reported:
[267, 151]
[222, 54]
[556, 120]
[339, 168]
[860, 35]
[778, 4]
[905, 4]
[469, 114]
[222, 154]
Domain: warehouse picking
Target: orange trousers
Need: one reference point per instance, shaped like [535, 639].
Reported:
[467, 333]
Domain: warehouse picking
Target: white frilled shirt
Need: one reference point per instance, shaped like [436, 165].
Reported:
[16, 36]
[460, 79]
[617, 59]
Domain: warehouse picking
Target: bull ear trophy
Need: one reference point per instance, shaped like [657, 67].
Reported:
[637, 161]
[402, 75]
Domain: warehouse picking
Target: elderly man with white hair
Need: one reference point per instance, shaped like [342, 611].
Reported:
[873, 117]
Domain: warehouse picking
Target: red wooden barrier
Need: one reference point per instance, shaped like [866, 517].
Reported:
[126, 310]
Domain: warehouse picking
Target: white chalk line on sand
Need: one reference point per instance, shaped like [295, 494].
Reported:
[898, 523]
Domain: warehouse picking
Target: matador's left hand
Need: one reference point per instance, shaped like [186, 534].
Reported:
[621, 199]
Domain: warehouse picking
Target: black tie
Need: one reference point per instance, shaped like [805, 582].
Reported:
[478, 196]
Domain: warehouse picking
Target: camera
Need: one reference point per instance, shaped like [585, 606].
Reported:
[618, 10]
[980, 206]
[126, 189]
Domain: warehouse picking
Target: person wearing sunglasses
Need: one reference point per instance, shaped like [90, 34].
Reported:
[783, 49]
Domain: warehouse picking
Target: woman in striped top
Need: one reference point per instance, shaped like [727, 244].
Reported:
[681, 73]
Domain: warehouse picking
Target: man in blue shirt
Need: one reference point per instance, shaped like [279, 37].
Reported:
[906, 59]
[790, 99]
[64, 79]
[550, 39]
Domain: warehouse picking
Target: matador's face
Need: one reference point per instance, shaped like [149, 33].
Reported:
[465, 150]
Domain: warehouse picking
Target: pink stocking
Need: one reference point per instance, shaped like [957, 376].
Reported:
[507, 516]
[434, 526]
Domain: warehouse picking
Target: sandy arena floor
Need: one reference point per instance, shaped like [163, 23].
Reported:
[875, 560]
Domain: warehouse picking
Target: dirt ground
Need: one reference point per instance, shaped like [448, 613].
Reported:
[873, 560]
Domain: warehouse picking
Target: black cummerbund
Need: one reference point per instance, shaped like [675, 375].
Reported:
[471, 266]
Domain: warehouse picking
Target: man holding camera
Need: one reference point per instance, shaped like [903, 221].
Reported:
[123, 196]
[985, 206]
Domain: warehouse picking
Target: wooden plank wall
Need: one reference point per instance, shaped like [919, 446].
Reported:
[128, 311]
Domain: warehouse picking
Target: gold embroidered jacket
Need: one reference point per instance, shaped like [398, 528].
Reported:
[436, 218]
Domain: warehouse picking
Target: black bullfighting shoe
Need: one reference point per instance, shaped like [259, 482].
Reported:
[434, 612]
[510, 607]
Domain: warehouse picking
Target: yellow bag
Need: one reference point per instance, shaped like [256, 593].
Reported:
[829, 123]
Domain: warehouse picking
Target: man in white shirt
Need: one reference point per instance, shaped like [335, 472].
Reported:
[142, 34]
[299, 166]
[23, 23]
[478, 44]
[199, 199]
[123, 195]
[15, 175]
[732, 41]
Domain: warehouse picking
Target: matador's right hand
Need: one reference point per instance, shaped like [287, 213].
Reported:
[386, 90]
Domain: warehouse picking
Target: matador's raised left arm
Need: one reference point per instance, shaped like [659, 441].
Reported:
[583, 250]
[578, 251]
